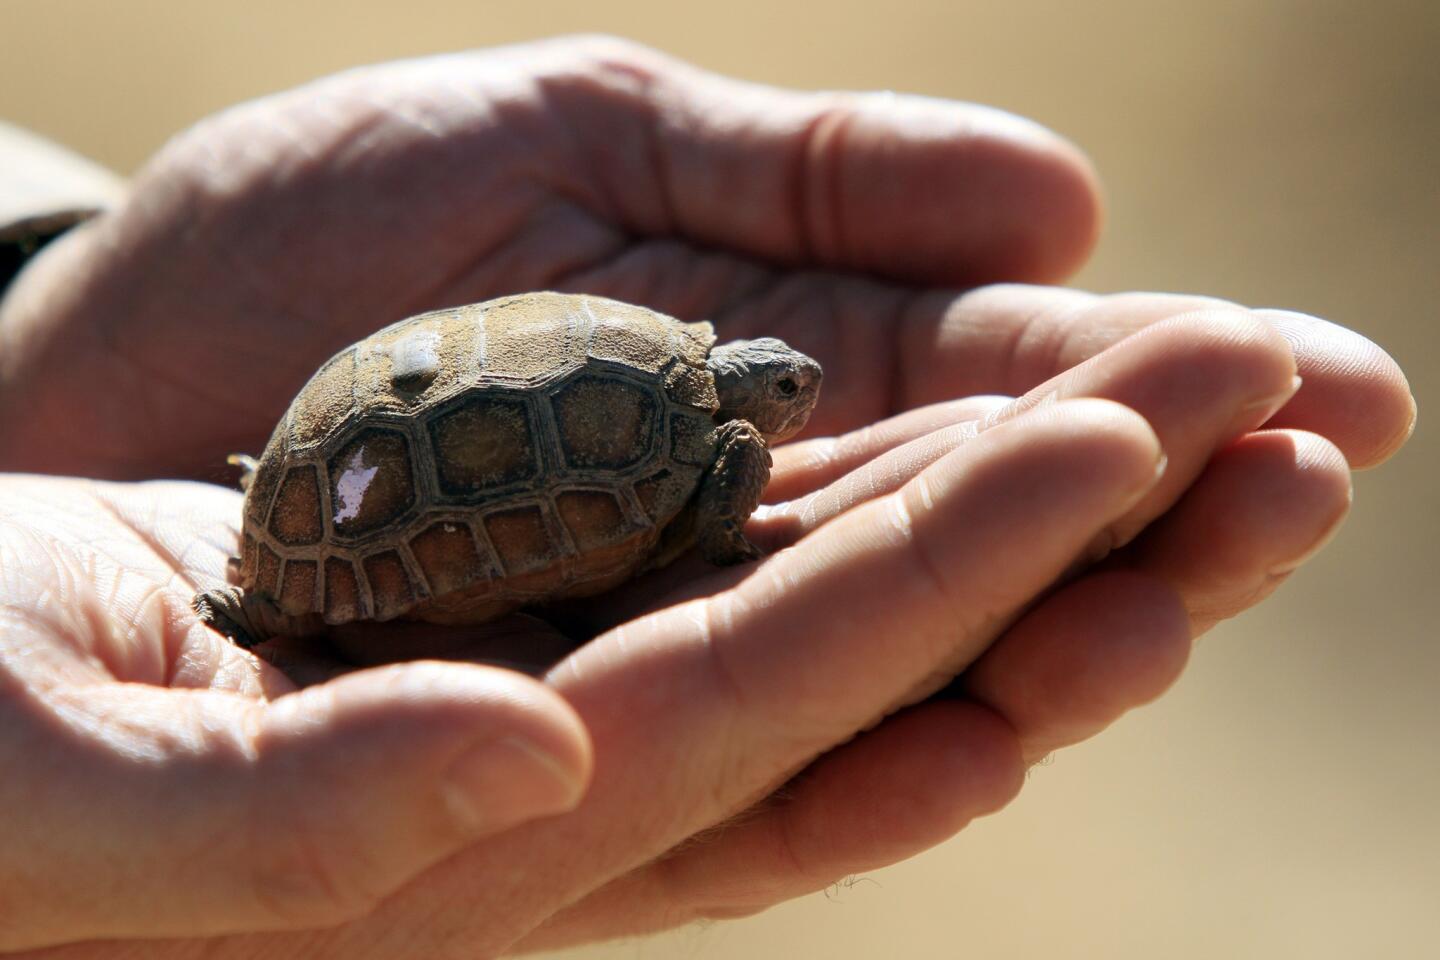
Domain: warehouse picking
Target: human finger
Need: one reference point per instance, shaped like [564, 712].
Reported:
[1264, 506]
[1098, 647]
[224, 814]
[1085, 655]
[1200, 381]
[1354, 394]
[1008, 339]
[915, 188]
[1117, 638]
[802, 467]
[909, 784]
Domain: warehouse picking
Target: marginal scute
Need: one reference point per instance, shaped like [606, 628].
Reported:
[690, 387]
[521, 541]
[448, 557]
[297, 593]
[593, 517]
[695, 341]
[248, 559]
[295, 519]
[692, 438]
[342, 592]
[267, 574]
[389, 584]
[484, 443]
[664, 493]
[371, 481]
[604, 422]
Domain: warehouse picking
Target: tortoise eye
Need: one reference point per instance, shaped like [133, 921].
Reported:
[786, 386]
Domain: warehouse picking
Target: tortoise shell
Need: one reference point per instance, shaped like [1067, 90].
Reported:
[469, 461]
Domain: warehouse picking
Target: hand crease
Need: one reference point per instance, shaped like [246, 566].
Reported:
[158, 549]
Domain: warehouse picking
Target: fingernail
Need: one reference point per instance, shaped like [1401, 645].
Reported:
[504, 782]
[1254, 415]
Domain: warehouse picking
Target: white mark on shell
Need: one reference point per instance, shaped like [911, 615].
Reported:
[350, 489]
[415, 358]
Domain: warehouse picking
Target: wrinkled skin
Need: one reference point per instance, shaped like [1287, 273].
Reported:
[1045, 564]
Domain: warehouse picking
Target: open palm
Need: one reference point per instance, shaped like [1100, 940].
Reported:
[931, 537]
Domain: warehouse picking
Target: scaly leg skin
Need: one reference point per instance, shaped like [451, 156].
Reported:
[730, 492]
[244, 618]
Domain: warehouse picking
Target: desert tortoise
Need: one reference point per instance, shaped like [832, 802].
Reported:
[460, 464]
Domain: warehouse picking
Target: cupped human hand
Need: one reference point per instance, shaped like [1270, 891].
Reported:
[925, 543]
[174, 330]
[1042, 564]
[161, 782]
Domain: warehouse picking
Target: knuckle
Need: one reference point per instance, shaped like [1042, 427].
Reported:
[311, 873]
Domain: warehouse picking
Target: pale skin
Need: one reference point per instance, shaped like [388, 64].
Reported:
[1031, 558]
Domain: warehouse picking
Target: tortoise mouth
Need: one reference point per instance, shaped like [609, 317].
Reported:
[799, 416]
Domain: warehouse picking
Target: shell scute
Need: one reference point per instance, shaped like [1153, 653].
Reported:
[448, 557]
[372, 481]
[324, 403]
[637, 339]
[389, 584]
[689, 387]
[594, 518]
[692, 438]
[296, 518]
[297, 592]
[267, 572]
[521, 539]
[343, 602]
[604, 422]
[486, 441]
[267, 477]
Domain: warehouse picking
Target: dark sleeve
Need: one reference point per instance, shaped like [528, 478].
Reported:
[45, 190]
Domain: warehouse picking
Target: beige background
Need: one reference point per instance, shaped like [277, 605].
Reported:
[1282, 801]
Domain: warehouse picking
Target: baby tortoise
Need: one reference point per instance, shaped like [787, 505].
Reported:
[461, 464]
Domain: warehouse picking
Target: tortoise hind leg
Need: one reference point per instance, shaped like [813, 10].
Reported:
[730, 492]
[245, 618]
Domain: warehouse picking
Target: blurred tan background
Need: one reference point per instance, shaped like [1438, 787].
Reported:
[1283, 800]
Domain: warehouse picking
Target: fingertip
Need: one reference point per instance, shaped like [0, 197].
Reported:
[440, 725]
[1220, 337]
[985, 760]
[417, 694]
[1095, 649]
[1264, 505]
[1354, 392]
[914, 781]
[1119, 442]
[1048, 171]
[362, 782]
[1019, 202]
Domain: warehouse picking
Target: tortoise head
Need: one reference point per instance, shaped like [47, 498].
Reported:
[766, 382]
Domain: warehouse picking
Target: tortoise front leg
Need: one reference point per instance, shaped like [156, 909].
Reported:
[730, 492]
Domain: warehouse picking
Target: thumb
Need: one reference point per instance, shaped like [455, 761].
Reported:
[223, 815]
[369, 779]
